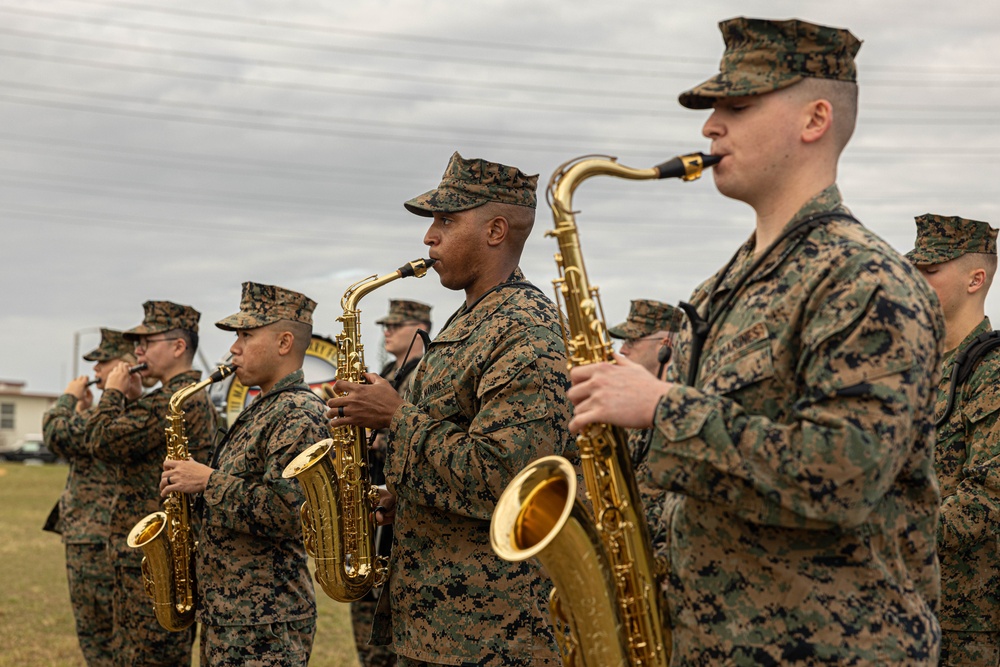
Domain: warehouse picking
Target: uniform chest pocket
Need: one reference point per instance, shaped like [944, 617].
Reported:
[442, 405]
[981, 403]
[739, 361]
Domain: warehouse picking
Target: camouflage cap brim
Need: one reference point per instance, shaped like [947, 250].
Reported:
[443, 200]
[933, 256]
[626, 331]
[143, 330]
[242, 321]
[704, 95]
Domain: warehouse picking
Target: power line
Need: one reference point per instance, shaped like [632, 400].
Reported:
[330, 48]
[656, 58]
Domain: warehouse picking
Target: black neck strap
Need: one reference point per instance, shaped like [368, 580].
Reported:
[700, 327]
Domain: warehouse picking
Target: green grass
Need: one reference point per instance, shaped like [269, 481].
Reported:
[35, 615]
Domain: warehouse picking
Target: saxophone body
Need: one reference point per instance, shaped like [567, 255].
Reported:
[338, 528]
[606, 608]
[165, 537]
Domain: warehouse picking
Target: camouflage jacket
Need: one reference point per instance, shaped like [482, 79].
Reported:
[805, 455]
[488, 398]
[85, 504]
[251, 564]
[657, 502]
[967, 459]
[131, 438]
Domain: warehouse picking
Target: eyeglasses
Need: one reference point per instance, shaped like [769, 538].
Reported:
[144, 343]
[389, 328]
[631, 342]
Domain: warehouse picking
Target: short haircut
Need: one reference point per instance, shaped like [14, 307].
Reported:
[520, 219]
[979, 260]
[842, 96]
[190, 338]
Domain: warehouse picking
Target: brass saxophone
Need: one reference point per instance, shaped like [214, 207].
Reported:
[165, 537]
[606, 607]
[337, 524]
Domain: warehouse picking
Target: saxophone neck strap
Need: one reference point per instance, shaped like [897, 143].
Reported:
[965, 363]
[700, 327]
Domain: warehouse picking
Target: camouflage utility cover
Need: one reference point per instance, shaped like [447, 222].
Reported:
[488, 398]
[941, 238]
[261, 305]
[967, 460]
[130, 437]
[763, 56]
[806, 532]
[401, 311]
[470, 183]
[85, 504]
[161, 316]
[113, 345]
[251, 563]
[646, 317]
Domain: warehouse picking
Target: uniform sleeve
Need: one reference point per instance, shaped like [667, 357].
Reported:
[116, 433]
[520, 413]
[268, 505]
[862, 374]
[971, 515]
[63, 429]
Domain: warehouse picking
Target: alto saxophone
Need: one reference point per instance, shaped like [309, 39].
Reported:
[607, 607]
[165, 537]
[337, 524]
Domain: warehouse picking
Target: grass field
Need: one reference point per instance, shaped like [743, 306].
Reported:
[36, 622]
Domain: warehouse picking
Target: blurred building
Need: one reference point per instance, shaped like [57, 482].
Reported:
[21, 412]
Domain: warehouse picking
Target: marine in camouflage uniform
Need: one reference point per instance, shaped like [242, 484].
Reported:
[256, 603]
[959, 258]
[400, 326]
[803, 443]
[85, 504]
[128, 432]
[648, 334]
[488, 397]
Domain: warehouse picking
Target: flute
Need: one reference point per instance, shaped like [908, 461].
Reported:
[134, 369]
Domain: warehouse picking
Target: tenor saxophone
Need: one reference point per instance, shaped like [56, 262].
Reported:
[165, 538]
[607, 607]
[337, 524]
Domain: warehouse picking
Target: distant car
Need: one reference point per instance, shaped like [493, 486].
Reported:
[29, 450]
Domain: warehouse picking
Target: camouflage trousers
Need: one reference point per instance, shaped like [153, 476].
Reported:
[91, 580]
[362, 613]
[970, 649]
[273, 645]
[139, 638]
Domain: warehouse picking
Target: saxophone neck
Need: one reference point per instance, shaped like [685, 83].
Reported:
[180, 396]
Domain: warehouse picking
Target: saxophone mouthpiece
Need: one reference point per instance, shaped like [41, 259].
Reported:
[687, 167]
[417, 267]
[223, 371]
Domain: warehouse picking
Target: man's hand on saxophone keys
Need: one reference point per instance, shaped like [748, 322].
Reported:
[370, 405]
[623, 393]
[187, 476]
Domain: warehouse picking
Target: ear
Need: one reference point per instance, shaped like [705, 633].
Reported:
[977, 279]
[819, 120]
[285, 341]
[180, 346]
[497, 230]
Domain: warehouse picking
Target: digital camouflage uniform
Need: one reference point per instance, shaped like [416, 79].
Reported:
[488, 398]
[363, 610]
[85, 512]
[967, 461]
[804, 449]
[805, 456]
[645, 318]
[130, 437]
[256, 601]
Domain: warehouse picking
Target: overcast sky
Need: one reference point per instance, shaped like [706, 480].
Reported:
[155, 150]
